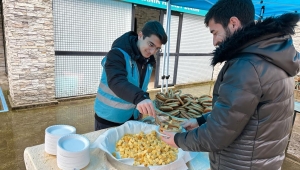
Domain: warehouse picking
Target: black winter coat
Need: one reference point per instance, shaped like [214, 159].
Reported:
[115, 68]
[249, 125]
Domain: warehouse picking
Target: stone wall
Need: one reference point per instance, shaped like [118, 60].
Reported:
[29, 51]
[3, 78]
[1, 46]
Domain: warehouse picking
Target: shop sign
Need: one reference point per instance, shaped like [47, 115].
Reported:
[163, 5]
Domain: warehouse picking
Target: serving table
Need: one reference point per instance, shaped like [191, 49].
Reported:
[36, 158]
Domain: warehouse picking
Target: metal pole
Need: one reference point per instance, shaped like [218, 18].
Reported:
[168, 43]
[166, 50]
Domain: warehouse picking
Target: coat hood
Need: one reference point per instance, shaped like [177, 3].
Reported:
[269, 39]
[128, 42]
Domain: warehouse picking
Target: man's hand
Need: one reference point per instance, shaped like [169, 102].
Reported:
[146, 107]
[190, 124]
[170, 140]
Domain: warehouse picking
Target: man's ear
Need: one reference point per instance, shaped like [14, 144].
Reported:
[234, 23]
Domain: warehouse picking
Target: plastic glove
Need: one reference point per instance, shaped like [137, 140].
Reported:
[146, 107]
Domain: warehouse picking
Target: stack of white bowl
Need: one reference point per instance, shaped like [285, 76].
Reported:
[53, 133]
[73, 152]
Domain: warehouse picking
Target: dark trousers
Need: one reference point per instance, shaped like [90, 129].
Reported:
[99, 126]
[101, 123]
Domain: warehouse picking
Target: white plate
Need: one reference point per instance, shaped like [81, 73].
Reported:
[73, 145]
[65, 166]
[52, 137]
[50, 151]
[50, 145]
[60, 130]
[160, 134]
[78, 161]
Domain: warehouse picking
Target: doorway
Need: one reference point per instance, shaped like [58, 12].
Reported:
[143, 14]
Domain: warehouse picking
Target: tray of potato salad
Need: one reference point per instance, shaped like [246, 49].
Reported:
[136, 145]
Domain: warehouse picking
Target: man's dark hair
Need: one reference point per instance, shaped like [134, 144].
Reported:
[155, 28]
[223, 10]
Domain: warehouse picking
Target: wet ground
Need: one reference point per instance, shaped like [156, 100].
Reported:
[25, 127]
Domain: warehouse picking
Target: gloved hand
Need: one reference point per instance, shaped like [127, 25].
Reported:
[146, 107]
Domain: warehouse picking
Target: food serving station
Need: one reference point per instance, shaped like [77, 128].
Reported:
[36, 158]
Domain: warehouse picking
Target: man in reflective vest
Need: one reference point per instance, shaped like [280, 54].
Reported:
[122, 93]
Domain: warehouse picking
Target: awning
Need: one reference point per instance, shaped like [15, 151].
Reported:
[269, 7]
[263, 9]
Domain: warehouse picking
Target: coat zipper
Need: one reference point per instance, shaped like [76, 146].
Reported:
[132, 68]
[142, 74]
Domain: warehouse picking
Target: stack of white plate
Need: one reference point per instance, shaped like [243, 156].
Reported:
[53, 133]
[73, 152]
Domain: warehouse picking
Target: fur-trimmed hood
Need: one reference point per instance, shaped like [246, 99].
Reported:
[269, 39]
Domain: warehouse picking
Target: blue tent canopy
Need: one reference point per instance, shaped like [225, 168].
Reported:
[263, 8]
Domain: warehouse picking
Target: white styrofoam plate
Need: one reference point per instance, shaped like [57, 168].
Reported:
[60, 130]
[50, 150]
[73, 145]
[74, 161]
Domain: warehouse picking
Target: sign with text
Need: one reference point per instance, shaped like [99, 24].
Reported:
[163, 5]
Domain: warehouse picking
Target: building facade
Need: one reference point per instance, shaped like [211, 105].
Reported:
[54, 48]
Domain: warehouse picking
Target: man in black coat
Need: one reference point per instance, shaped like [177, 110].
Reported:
[253, 101]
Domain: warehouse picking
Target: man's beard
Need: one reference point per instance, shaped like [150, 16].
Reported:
[227, 32]
[226, 36]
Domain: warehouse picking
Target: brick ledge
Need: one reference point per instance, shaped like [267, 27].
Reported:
[25, 106]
